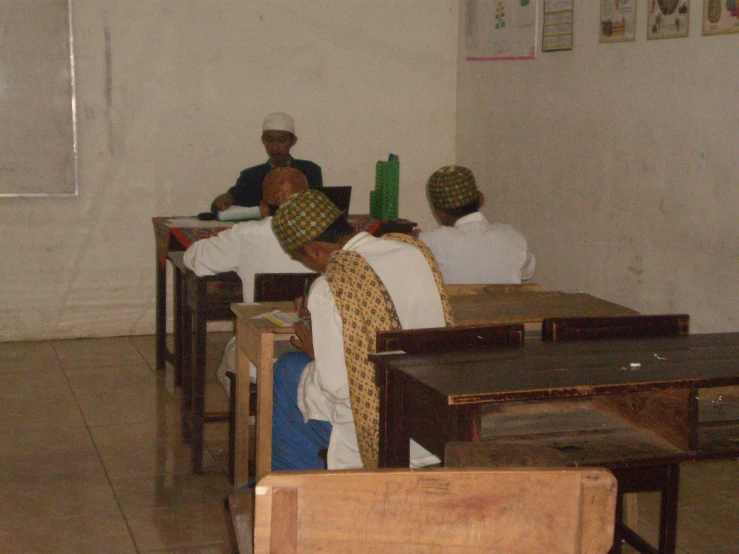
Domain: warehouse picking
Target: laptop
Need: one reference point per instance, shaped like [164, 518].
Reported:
[340, 196]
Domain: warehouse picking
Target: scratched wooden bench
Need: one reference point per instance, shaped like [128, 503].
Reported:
[411, 511]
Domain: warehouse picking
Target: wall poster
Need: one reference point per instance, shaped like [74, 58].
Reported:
[558, 25]
[667, 19]
[720, 17]
[617, 21]
[500, 29]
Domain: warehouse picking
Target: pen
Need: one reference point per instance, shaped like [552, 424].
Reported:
[306, 290]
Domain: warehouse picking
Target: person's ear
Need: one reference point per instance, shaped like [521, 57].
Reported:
[481, 199]
[294, 141]
[311, 250]
[442, 217]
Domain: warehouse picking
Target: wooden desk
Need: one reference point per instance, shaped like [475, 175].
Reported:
[436, 399]
[174, 234]
[255, 342]
[451, 387]
[197, 301]
[530, 307]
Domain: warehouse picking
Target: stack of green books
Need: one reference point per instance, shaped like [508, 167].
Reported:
[384, 199]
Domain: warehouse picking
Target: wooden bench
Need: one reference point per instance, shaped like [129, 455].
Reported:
[410, 511]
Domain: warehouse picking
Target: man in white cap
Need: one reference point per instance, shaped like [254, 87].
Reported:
[278, 137]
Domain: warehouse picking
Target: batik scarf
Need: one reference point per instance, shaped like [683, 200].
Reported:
[365, 308]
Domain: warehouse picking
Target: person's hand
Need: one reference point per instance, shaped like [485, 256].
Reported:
[302, 309]
[304, 339]
[223, 202]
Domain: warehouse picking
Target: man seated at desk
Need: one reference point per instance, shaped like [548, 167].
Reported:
[249, 248]
[468, 248]
[368, 284]
[278, 137]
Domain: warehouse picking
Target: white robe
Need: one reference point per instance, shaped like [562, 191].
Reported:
[476, 252]
[247, 248]
[323, 393]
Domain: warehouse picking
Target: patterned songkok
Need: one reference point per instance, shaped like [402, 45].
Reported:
[303, 217]
[452, 186]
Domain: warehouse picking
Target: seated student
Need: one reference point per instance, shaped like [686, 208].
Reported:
[249, 247]
[325, 395]
[470, 250]
[278, 137]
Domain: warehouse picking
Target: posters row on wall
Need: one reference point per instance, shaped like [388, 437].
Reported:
[665, 19]
[507, 29]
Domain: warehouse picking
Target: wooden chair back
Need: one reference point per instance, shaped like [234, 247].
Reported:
[274, 287]
[458, 510]
[579, 328]
[444, 339]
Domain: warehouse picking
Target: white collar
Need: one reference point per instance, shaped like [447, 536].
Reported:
[356, 239]
[474, 217]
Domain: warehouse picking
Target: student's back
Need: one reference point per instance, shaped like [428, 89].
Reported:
[475, 251]
[467, 247]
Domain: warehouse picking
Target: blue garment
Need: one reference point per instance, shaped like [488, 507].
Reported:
[295, 444]
[248, 188]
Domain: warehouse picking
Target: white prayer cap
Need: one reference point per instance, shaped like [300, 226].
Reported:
[278, 121]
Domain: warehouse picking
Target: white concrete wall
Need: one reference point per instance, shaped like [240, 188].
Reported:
[619, 162]
[171, 94]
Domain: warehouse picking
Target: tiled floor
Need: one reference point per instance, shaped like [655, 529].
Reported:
[91, 459]
[91, 456]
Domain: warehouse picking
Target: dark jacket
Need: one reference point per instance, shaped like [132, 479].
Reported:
[248, 188]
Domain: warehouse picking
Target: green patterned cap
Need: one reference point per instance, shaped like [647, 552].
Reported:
[302, 217]
[452, 186]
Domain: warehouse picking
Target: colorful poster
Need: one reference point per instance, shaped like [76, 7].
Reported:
[500, 29]
[667, 19]
[720, 17]
[558, 25]
[617, 21]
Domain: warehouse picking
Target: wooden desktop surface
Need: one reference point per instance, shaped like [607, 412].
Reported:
[650, 382]
[530, 307]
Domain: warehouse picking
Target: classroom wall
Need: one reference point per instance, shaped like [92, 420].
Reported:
[171, 95]
[619, 162]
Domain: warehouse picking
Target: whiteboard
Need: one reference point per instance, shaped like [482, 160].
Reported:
[38, 139]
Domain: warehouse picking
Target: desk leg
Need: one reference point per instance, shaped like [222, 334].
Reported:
[381, 381]
[241, 418]
[161, 315]
[397, 449]
[265, 384]
[179, 299]
[631, 510]
[185, 345]
[668, 511]
[197, 374]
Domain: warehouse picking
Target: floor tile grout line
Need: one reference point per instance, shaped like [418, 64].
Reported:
[100, 458]
[161, 379]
